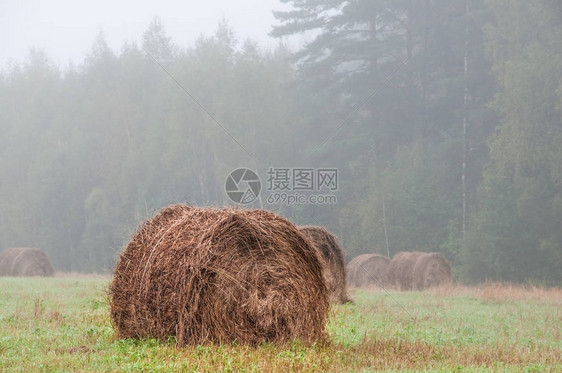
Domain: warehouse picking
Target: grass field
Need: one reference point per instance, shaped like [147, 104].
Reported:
[62, 324]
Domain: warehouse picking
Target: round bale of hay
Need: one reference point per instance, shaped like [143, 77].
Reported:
[401, 270]
[368, 270]
[25, 262]
[331, 253]
[219, 275]
[430, 270]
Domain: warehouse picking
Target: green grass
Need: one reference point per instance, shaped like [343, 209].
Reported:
[63, 324]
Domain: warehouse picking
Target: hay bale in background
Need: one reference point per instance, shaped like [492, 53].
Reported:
[219, 275]
[368, 270]
[401, 270]
[432, 269]
[25, 262]
[331, 252]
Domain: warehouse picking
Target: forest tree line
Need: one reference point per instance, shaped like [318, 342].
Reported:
[443, 118]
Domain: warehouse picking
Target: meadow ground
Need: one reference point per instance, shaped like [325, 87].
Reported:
[63, 324]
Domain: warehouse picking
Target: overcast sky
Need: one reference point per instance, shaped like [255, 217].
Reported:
[66, 29]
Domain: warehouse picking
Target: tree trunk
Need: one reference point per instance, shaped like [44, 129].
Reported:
[465, 122]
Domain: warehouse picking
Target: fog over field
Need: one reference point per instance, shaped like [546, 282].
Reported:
[66, 29]
[398, 126]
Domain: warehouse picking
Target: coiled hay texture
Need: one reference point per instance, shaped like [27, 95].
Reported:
[219, 275]
[401, 270]
[331, 252]
[368, 270]
[431, 270]
[25, 262]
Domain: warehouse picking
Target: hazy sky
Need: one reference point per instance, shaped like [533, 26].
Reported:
[66, 29]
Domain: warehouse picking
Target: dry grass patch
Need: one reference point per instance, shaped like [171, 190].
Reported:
[501, 292]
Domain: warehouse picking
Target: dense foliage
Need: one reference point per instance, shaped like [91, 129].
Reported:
[443, 118]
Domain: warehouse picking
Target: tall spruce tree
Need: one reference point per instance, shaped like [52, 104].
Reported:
[384, 79]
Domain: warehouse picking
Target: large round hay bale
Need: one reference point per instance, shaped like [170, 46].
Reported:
[401, 270]
[368, 270]
[432, 269]
[332, 256]
[25, 262]
[219, 275]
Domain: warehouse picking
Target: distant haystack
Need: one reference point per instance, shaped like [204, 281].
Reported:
[368, 270]
[331, 252]
[25, 262]
[417, 271]
[401, 270]
[432, 269]
[219, 275]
